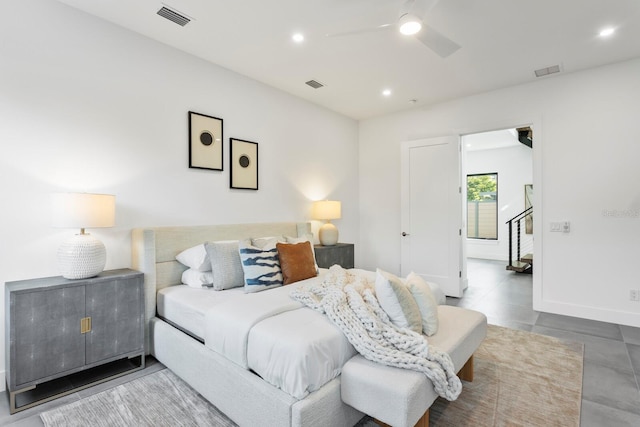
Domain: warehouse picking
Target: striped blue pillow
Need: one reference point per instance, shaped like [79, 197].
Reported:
[260, 264]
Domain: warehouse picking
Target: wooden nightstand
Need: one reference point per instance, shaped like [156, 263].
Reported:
[341, 254]
[65, 335]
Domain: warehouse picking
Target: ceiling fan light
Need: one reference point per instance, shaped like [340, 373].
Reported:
[409, 24]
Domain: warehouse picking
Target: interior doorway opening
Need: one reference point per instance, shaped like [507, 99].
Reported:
[507, 155]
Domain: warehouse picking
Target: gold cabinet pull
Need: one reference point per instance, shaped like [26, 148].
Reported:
[85, 325]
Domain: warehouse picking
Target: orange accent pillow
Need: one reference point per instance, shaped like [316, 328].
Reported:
[296, 261]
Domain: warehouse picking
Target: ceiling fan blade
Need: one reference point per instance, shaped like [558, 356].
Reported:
[383, 27]
[418, 7]
[437, 42]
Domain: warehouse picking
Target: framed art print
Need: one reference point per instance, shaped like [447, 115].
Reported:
[205, 142]
[244, 164]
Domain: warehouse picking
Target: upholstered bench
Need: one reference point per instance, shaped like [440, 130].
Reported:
[400, 397]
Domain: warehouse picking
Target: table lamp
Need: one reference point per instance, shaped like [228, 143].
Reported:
[82, 255]
[327, 210]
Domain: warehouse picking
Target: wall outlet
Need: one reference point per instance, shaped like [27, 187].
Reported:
[634, 295]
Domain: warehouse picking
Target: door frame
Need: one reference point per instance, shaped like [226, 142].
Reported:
[536, 123]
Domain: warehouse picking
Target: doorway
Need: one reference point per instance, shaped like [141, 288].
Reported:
[497, 167]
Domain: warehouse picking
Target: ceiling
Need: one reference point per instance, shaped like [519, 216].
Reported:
[503, 42]
[506, 138]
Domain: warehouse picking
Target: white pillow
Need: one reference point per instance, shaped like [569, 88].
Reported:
[260, 242]
[195, 257]
[438, 295]
[396, 300]
[197, 279]
[307, 237]
[423, 296]
[260, 264]
[226, 265]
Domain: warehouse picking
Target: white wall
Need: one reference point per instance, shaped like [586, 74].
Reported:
[585, 161]
[514, 166]
[88, 106]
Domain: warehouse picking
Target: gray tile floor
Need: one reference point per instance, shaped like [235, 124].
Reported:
[610, 393]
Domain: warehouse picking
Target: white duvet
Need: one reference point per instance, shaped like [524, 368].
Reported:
[290, 346]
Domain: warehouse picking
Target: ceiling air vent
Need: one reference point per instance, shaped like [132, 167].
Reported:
[173, 16]
[548, 70]
[314, 84]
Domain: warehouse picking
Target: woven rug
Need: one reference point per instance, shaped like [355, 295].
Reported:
[158, 399]
[521, 379]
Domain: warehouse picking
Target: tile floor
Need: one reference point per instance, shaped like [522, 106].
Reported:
[610, 393]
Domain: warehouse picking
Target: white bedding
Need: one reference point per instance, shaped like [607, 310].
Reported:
[290, 346]
[187, 307]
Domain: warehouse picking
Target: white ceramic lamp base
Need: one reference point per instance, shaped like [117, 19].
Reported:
[328, 234]
[81, 257]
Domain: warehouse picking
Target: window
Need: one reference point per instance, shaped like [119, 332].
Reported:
[482, 206]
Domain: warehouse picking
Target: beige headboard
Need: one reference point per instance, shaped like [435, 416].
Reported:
[154, 250]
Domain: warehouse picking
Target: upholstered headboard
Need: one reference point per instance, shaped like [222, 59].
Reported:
[154, 251]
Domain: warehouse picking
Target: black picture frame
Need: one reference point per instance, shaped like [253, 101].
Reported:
[205, 142]
[243, 162]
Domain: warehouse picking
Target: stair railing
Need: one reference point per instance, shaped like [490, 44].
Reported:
[516, 219]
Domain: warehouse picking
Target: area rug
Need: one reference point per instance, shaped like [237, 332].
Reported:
[521, 379]
[158, 399]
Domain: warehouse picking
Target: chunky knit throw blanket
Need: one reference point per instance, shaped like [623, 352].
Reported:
[349, 301]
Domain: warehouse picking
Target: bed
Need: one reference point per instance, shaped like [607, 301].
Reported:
[232, 386]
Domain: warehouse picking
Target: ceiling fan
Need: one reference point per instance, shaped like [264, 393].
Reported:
[410, 24]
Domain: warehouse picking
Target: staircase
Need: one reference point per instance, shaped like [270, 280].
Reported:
[520, 242]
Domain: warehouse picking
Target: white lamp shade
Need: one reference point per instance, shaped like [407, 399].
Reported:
[326, 209]
[83, 210]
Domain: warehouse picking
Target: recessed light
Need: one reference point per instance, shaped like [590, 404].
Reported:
[386, 92]
[298, 37]
[606, 32]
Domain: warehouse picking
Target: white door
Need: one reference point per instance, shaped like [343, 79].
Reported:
[431, 206]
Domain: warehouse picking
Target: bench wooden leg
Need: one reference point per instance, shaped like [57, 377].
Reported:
[466, 373]
[422, 422]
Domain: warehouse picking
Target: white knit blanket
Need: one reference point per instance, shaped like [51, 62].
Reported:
[349, 301]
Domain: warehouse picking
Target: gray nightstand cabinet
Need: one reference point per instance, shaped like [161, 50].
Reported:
[340, 253]
[56, 328]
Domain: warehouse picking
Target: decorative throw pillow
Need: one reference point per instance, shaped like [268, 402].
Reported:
[260, 265]
[197, 279]
[396, 300]
[307, 237]
[262, 241]
[438, 295]
[421, 292]
[226, 266]
[296, 261]
[195, 257]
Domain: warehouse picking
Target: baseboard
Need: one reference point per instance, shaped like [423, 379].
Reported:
[3, 377]
[592, 313]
